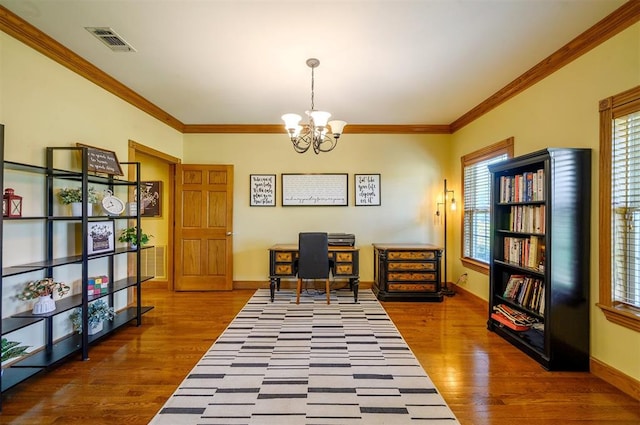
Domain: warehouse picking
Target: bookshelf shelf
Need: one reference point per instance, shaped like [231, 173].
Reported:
[539, 266]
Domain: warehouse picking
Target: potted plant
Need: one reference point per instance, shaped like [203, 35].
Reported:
[73, 196]
[130, 236]
[43, 290]
[12, 349]
[99, 311]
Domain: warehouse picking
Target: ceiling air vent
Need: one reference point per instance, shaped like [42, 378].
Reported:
[110, 39]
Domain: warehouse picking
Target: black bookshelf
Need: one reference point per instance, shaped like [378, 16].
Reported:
[540, 244]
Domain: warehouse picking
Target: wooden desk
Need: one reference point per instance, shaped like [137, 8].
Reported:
[283, 258]
[406, 272]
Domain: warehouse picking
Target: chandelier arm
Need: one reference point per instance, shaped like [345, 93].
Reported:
[327, 141]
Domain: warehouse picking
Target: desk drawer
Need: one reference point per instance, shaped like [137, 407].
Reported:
[411, 255]
[344, 257]
[344, 269]
[400, 266]
[411, 277]
[284, 257]
[284, 269]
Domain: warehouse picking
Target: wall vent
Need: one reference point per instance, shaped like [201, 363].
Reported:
[153, 262]
[110, 39]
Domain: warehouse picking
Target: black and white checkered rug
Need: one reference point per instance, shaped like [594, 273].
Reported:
[281, 363]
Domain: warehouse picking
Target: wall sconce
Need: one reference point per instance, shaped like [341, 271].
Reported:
[445, 289]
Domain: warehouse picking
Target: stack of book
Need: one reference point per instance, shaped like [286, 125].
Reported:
[513, 319]
[526, 291]
[525, 252]
[525, 187]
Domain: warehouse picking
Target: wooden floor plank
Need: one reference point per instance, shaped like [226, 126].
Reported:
[485, 380]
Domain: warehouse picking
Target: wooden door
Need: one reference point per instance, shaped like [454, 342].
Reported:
[203, 230]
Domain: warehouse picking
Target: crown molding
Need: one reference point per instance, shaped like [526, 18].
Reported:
[616, 22]
[622, 18]
[349, 129]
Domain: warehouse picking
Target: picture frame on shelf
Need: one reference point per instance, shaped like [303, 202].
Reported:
[102, 160]
[100, 237]
[367, 189]
[262, 190]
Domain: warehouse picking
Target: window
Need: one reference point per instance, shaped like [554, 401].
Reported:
[620, 208]
[477, 196]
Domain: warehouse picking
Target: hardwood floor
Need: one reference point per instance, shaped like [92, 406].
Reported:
[483, 378]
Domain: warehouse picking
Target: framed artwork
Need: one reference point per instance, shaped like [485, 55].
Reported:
[262, 190]
[315, 190]
[151, 199]
[100, 237]
[367, 189]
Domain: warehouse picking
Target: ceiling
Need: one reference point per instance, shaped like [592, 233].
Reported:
[382, 62]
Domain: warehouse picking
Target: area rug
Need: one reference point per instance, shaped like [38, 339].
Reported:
[314, 364]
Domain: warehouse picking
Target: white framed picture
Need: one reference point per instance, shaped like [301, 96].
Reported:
[100, 237]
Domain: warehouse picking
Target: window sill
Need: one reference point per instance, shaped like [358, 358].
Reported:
[475, 265]
[622, 316]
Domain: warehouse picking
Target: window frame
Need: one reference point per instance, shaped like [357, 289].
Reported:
[618, 105]
[488, 152]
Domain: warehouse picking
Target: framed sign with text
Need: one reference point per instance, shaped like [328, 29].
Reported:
[367, 189]
[262, 190]
[102, 160]
[314, 190]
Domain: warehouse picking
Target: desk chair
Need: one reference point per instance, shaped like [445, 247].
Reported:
[313, 260]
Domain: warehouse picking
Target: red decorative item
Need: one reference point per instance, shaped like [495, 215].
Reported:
[11, 204]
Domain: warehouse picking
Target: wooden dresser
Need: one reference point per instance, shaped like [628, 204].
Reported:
[406, 272]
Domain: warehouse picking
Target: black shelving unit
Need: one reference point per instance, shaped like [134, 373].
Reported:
[54, 351]
[540, 235]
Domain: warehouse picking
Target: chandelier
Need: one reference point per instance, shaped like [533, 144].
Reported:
[319, 132]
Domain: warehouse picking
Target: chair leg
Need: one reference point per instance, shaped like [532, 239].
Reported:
[328, 293]
[298, 289]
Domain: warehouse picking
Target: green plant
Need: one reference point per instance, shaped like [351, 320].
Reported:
[98, 311]
[10, 349]
[70, 195]
[130, 235]
[41, 288]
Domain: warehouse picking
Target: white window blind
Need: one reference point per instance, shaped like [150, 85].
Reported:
[625, 209]
[477, 207]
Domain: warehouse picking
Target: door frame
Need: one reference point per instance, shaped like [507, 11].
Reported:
[172, 162]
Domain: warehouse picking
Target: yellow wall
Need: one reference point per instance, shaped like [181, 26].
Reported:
[411, 166]
[562, 111]
[43, 104]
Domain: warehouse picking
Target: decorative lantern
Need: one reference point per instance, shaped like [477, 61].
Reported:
[11, 204]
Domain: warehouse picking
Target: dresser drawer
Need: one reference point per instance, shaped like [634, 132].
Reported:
[411, 277]
[413, 287]
[411, 255]
[401, 266]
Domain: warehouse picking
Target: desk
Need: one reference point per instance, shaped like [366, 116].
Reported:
[406, 272]
[283, 257]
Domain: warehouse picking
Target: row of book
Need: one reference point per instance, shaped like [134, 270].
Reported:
[526, 291]
[525, 187]
[513, 319]
[525, 252]
[527, 218]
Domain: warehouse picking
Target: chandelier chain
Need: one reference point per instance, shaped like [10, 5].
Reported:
[312, 87]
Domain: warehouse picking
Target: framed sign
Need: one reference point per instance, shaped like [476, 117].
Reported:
[100, 239]
[150, 199]
[102, 160]
[314, 190]
[367, 189]
[262, 190]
